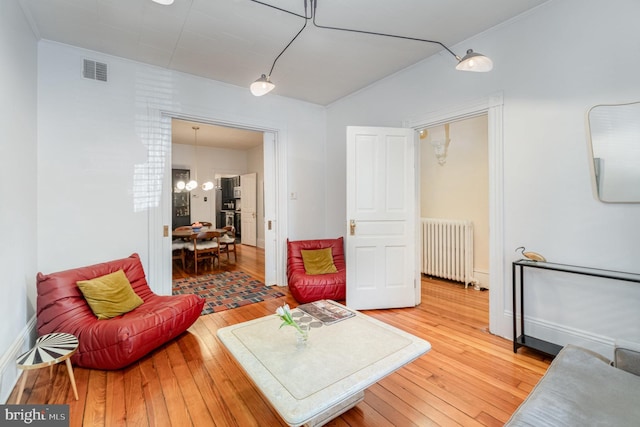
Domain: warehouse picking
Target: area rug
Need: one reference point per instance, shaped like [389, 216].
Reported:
[225, 290]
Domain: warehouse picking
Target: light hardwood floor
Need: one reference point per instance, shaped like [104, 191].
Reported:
[469, 378]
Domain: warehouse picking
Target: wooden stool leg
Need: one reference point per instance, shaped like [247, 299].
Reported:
[72, 378]
[23, 381]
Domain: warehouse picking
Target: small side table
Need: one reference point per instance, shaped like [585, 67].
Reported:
[48, 350]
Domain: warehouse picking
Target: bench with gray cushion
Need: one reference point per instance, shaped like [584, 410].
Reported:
[582, 388]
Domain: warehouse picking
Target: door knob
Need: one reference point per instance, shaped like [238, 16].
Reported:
[352, 226]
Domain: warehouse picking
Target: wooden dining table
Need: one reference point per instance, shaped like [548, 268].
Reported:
[188, 233]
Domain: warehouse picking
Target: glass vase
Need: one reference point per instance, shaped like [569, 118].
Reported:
[302, 336]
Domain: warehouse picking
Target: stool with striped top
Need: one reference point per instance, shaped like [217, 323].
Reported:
[48, 350]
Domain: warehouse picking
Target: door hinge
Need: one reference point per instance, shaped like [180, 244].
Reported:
[166, 231]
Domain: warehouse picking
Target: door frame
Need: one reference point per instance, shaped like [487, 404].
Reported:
[492, 106]
[159, 269]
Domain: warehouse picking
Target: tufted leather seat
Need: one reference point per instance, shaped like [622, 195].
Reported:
[308, 288]
[119, 341]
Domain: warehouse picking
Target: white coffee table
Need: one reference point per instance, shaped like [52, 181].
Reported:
[316, 383]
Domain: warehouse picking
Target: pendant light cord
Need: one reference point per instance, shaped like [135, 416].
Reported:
[314, 6]
[305, 17]
[373, 33]
[195, 141]
[285, 10]
[287, 46]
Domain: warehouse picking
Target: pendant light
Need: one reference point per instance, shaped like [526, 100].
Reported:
[191, 185]
[472, 61]
[262, 86]
[208, 185]
[194, 182]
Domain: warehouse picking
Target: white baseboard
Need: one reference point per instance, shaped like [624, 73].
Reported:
[9, 373]
[482, 278]
[563, 335]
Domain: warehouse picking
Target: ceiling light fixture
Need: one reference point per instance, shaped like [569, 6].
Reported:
[263, 85]
[163, 2]
[472, 61]
[191, 185]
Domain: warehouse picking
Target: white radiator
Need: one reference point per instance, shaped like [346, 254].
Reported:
[447, 249]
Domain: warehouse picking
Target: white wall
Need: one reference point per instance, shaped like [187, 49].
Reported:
[459, 189]
[103, 150]
[551, 65]
[18, 190]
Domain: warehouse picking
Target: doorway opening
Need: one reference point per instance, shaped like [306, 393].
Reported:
[454, 201]
[492, 106]
[218, 157]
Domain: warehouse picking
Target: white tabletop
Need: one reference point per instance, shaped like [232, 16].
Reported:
[339, 361]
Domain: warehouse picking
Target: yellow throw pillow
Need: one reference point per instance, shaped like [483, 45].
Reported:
[110, 295]
[318, 261]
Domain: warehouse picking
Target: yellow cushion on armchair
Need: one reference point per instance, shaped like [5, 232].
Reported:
[110, 295]
[318, 261]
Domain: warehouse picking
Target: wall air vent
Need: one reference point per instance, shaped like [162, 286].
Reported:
[94, 70]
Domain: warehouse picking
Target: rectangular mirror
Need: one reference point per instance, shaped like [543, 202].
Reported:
[614, 131]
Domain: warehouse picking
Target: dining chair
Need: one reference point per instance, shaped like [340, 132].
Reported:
[228, 243]
[205, 246]
[178, 246]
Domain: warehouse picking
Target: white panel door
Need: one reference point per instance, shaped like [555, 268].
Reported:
[381, 214]
[248, 230]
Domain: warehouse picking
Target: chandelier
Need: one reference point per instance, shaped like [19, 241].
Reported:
[193, 183]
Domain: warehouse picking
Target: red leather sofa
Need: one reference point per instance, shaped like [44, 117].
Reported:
[117, 342]
[307, 288]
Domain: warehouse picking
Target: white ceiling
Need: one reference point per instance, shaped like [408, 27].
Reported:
[182, 132]
[234, 41]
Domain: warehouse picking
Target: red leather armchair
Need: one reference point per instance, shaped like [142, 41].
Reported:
[308, 288]
[117, 342]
